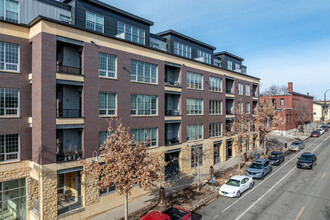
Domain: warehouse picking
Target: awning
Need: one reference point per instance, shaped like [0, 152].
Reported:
[70, 41]
[74, 126]
[67, 82]
[173, 151]
[70, 170]
[172, 64]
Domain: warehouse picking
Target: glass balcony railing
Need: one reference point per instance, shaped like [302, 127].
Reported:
[172, 112]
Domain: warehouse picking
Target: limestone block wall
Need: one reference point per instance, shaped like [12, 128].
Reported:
[32, 191]
[48, 195]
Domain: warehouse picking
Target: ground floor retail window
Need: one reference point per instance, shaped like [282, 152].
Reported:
[13, 199]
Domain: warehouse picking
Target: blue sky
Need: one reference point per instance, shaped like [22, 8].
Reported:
[281, 40]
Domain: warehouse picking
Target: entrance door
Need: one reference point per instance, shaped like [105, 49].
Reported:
[172, 169]
[216, 158]
[229, 149]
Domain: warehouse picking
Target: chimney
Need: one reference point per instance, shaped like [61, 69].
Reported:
[290, 87]
[308, 93]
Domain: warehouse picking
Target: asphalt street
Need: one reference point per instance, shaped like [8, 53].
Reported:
[286, 193]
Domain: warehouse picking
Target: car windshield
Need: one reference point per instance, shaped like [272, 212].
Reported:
[272, 156]
[256, 166]
[233, 182]
[305, 157]
[295, 143]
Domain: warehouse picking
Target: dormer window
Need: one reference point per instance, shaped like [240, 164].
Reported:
[229, 65]
[203, 57]
[94, 22]
[130, 33]
[182, 50]
[9, 10]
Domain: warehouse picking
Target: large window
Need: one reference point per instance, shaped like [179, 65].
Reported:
[182, 50]
[194, 106]
[229, 65]
[194, 132]
[196, 156]
[240, 107]
[215, 107]
[9, 56]
[107, 103]
[282, 102]
[215, 129]
[142, 134]
[247, 90]
[94, 22]
[215, 84]
[143, 72]
[9, 10]
[194, 81]
[206, 57]
[240, 88]
[103, 136]
[9, 102]
[9, 147]
[107, 65]
[143, 105]
[131, 33]
[247, 108]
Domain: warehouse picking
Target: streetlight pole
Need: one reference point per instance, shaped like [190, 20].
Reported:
[324, 107]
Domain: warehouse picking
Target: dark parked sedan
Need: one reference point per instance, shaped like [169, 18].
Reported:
[306, 160]
[315, 134]
[325, 128]
[276, 157]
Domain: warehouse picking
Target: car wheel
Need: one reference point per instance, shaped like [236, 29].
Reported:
[238, 194]
[251, 185]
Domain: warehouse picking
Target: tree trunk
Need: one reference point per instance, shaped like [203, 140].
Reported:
[265, 147]
[126, 206]
[199, 178]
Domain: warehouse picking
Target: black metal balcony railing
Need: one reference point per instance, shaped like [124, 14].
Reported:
[172, 112]
[68, 113]
[173, 141]
[68, 153]
[68, 69]
[229, 91]
[174, 84]
[66, 203]
[229, 112]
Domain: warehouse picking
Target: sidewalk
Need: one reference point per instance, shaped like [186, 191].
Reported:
[139, 203]
[279, 140]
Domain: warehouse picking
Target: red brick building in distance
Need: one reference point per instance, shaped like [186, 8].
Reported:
[290, 106]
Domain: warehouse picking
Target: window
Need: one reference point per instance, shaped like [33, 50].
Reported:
[206, 56]
[237, 67]
[9, 102]
[194, 81]
[273, 101]
[196, 156]
[229, 65]
[143, 72]
[143, 105]
[131, 33]
[216, 153]
[9, 10]
[9, 147]
[108, 190]
[240, 107]
[103, 136]
[9, 57]
[282, 102]
[142, 134]
[64, 18]
[94, 22]
[194, 132]
[247, 143]
[247, 108]
[182, 50]
[215, 84]
[215, 129]
[215, 107]
[287, 118]
[107, 103]
[240, 88]
[194, 106]
[107, 65]
[247, 90]
[154, 45]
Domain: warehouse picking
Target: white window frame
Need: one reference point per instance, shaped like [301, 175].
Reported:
[213, 127]
[193, 106]
[237, 66]
[18, 103]
[207, 56]
[215, 84]
[94, 21]
[282, 99]
[182, 49]
[18, 151]
[197, 136]
[136, 110]
[131, 33]
[7, 63]
[108, 72]
[247, 90]
[135, 76]
[240, 107]
[240, 88]
[217, 103]
[194, 78]
[248, 108]
[107, 110]
[5, 11]
[229, 65]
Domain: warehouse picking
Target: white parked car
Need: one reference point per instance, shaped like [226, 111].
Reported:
[236, 185]
[321, 130]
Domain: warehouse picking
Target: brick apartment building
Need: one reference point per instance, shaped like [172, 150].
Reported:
[288, 105]
[66, 67]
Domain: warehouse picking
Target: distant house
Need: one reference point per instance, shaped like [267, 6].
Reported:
[290, 106]
[318, 107]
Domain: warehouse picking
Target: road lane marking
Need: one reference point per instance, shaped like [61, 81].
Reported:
[268, 177]
[273, 185]
[302, 209]
[264, 194]
[323, 175]
[216, 216]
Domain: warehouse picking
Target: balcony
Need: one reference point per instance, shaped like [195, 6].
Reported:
[68, 145]
[60, 68]
[229, 107]
[172, 75]
[68, 101]
[172, 103]
[68, 58]
[254, 91]
[230, 86]
[172, 134]
[68, 113]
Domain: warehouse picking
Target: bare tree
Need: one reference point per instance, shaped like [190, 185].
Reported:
[275, 90]
[302, 113]
[125, 164]
[266, 119]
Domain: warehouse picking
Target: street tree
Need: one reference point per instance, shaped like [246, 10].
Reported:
[301, 111]
[124, 163]
[275, 90]
[266, 119]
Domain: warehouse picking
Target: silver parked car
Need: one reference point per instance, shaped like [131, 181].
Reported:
[296, 146]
